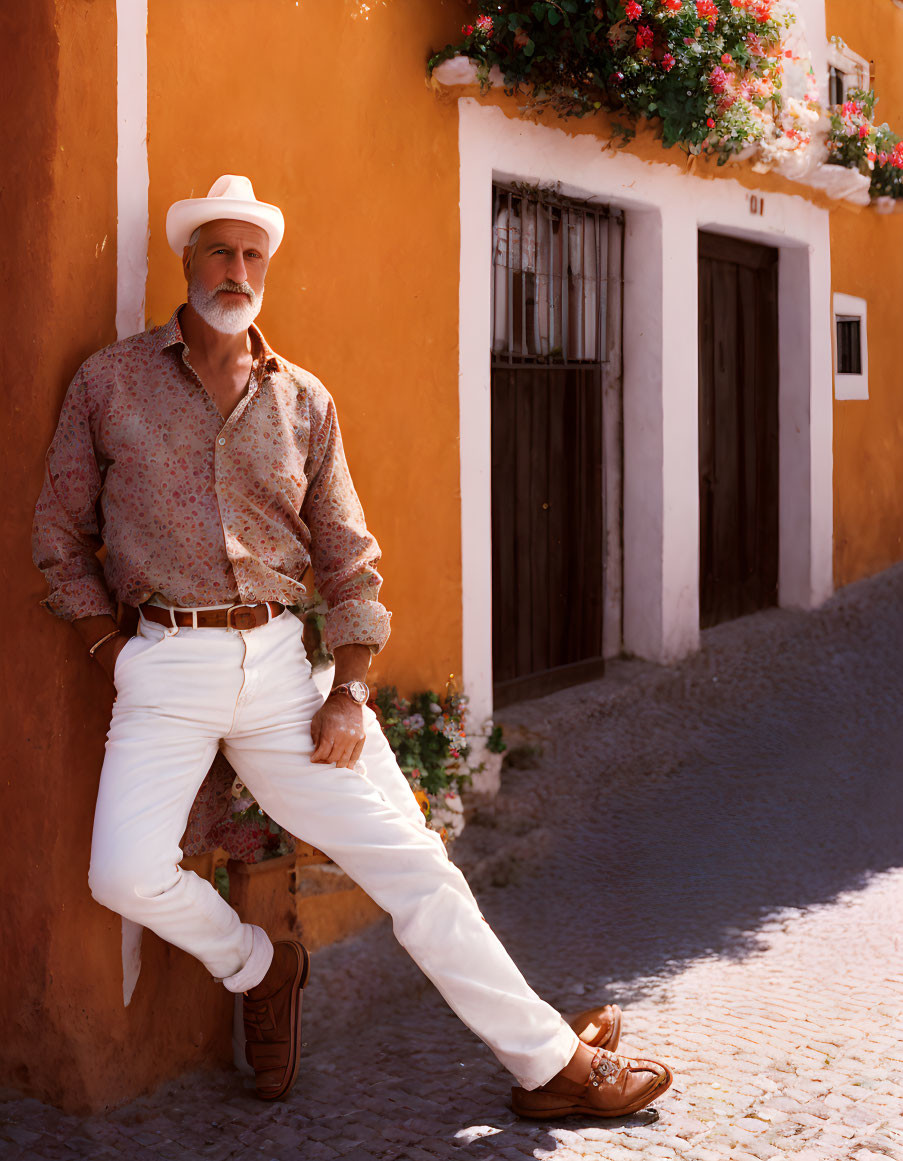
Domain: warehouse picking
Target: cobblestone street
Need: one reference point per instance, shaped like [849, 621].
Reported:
[717, 846]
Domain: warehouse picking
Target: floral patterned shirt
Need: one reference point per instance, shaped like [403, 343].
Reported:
[198, 509]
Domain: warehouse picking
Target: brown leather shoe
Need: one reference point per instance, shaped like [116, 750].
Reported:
[615, 1087]
[598, 1027]
[272, 1016]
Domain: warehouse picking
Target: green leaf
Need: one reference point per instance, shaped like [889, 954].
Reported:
[528, 48]
[554, 16]
[221, 882]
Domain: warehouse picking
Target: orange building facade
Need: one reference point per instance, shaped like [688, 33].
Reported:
[381, 288]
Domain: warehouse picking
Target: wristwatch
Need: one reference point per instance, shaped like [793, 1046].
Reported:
[358, 691]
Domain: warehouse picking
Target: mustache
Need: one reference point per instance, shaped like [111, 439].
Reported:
[237, 288]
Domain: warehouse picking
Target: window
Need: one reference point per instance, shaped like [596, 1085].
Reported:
[846, 70]
[837, 87]
[850, 348]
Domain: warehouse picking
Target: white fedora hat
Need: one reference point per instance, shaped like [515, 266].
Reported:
[229, 197]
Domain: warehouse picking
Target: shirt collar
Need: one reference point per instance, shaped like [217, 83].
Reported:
[171, 336]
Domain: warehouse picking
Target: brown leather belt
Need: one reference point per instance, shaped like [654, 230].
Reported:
[236, 617]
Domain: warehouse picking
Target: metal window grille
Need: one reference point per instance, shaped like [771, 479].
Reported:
[550, 280]
[849, 345]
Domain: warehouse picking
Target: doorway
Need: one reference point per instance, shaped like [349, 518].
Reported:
[555, 351]
[738, 427]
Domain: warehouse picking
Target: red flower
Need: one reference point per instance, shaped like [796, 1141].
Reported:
[520, 38]
[706, 10]
[484, 23]
[467, 30]
[673, 5]
[644, 36]
[632, 10]
[668, 62]
[871, 155]
[710, 121]
[726, 58]
[863, 130]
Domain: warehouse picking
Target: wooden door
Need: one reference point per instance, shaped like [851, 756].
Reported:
[555, 388]
[548, 529]
[738, 427]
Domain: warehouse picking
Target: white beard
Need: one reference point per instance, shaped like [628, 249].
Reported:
[226, 317]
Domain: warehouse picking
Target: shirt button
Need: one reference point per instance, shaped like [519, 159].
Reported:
[221, 440]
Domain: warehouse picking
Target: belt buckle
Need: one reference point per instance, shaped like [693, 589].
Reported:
[231, 623]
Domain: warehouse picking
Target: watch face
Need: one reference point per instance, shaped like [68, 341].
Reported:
[358, 691]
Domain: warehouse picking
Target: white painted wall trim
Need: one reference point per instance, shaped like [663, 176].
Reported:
[664, 210]
[132, 179]
[132, 237]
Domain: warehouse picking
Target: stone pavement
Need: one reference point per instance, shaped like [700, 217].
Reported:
[717, 845]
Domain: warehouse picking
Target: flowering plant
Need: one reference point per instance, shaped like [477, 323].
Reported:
[256, 836]
[428, 737]
[711, 70]
[857, 142]
[853, 135]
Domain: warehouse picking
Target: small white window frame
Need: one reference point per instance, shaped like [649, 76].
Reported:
[852, 386]
[855, 68]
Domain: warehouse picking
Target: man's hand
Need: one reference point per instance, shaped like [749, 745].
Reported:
[337, 729]
[338, 726]
[92, 629]
[108, 652]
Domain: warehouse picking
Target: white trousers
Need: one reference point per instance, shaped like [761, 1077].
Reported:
[183, 693]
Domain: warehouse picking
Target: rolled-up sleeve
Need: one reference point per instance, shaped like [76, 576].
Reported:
[66, 536]
[343, 553]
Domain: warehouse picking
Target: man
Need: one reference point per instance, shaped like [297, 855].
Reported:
[212, 471]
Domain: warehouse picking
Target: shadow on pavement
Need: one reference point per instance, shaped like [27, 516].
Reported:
[685, 808]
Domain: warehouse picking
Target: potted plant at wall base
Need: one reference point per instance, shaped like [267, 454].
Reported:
[428, 737]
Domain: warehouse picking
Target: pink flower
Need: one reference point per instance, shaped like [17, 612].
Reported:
[644, 36]
[668, 62]
[484, 23]
[718, 79]
[632, 10]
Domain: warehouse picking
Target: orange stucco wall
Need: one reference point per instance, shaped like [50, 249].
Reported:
[65, 1035]
[325, 107]
[867, 261]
